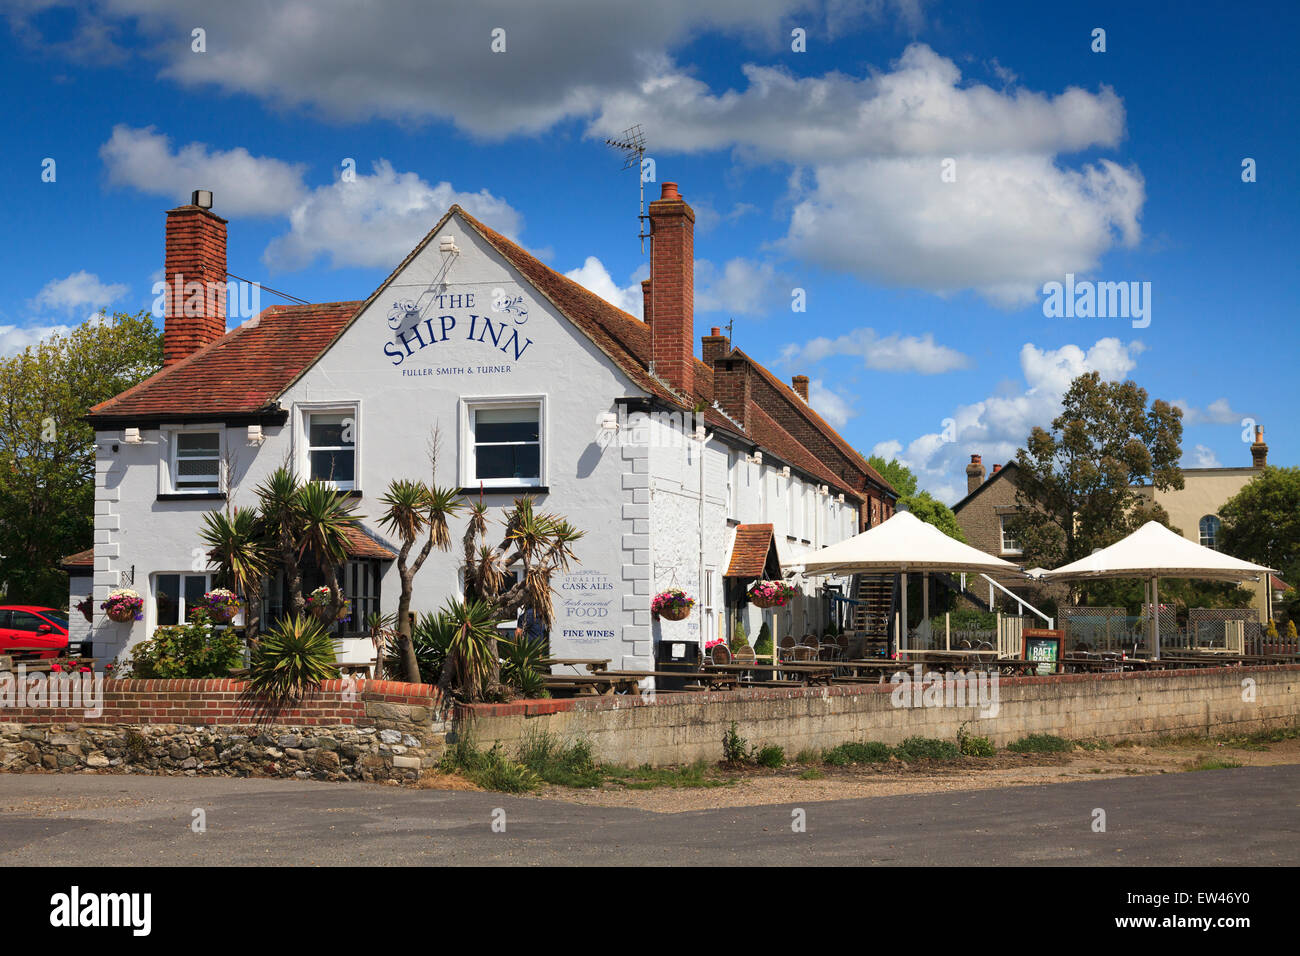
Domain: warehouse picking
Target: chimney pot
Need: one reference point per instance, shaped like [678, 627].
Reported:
[996, 469]
[715, 331]
[800, 384]
[974, 473]
[1259, 450]
[669, 191]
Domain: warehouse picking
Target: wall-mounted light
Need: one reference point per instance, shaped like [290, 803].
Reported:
[131, 436]
[255, 436]
[840, 499]
[757, 458]
[785, 472]
[699, 433]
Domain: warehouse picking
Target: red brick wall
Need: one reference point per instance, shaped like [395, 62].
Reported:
[196, 251]
[672, 288]
[222, 702]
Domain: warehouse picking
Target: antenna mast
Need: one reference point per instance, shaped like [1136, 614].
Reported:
[632, 146]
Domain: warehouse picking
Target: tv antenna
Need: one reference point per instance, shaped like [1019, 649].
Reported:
[632, 146]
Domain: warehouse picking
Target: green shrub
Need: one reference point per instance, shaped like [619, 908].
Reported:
[770, 756]
[490, 769]
[552, 760]
[870, 751]
[763, 646]
[292, 659]
[739, 638]
[809, 755]
[927, 748]
[969, 619]
[812, 773]
[522, 666]
[973, 746]
[191, 650]
[1041, 744]
[735, 748]
[431, 637]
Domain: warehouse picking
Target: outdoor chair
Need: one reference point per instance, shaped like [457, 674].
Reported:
[784, 647]
[802, 653]
[745, 655]
[721, 654]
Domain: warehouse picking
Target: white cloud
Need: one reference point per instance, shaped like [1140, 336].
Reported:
[14, 339]
[997, 425]
[1218, 412]
[241, 183]
[892, 353]
[593, 275]
[741, 287]
[1204, 457]
[377, 219]
[80, 290]
[835, 408]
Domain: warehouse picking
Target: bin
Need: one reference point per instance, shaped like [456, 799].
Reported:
[681, 656]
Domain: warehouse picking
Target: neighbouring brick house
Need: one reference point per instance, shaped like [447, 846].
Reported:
[539, 387]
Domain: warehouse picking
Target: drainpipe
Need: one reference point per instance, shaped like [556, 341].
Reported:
[703, 438]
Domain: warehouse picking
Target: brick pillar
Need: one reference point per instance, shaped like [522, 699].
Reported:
[731, 388]
[714, 346]
[800, 384]
[1259, 450]
[672, 284]
[645, 300]
[974, 473]
[196, 253]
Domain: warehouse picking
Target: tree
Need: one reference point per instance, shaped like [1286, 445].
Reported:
[1261, 523]
[922, 504]
[47, 452]
[500, 581]
[896, 473]
[237, 548]
[1075, 483]
[411, 509]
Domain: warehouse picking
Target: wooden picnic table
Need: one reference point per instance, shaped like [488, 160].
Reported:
[591, 683]
[820, 673]
[706, 677]
[592, 664]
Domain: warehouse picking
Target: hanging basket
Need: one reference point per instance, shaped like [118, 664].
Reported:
[673, 604]
[679, 613]
[222, 615]
[763, 602]
[767, 594]
[87, 609]
[120, 614]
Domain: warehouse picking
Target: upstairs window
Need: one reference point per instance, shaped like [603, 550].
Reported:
[505, 446]
[1009, 543]
[195, 464]
[1210, 525]
[332, 448]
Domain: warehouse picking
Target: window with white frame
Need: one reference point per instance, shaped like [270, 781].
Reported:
[195, 462]
[733, 483]
[330, 446]
[710, 620]
[1009, 543]
[791, 512]
[176, 594]
[1209, 526]
[504, 446]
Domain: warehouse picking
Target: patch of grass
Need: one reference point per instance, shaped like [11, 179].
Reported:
[1212, 763]
[927, 748]
[1260, 740]
[971, 745]
[646, 777]
[770, 756]
[1094, 744]
[809, 757]
[812, 773]
[491, 769]
[1041, 744]
[552, 760]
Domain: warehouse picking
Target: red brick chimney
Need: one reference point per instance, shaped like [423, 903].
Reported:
[800, 384]
[671, 311]
[196, 253]
[714, 346]
[974, 473]
[1259, 451]
[645, 300]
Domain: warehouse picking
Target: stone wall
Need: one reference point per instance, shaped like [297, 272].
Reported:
[682, 728]
[367, 730]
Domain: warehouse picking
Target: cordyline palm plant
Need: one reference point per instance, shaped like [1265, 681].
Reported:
[326, 516]
[237, 547]
[515, 574]
[291, 660]
[413, 508]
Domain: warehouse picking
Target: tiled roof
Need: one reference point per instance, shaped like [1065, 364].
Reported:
[749, 553]
[361, 544]
[1000, 473]
[248, 368]
[240, 373]
[80, 562]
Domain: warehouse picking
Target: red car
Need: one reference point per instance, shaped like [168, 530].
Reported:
[28, 626]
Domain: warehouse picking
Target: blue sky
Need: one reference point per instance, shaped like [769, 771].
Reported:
[924, 334]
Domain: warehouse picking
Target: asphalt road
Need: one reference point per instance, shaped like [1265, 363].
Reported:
[1242, 817]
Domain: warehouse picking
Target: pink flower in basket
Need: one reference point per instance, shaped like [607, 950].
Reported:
[124, 605]
[673, 604]
[772, 593]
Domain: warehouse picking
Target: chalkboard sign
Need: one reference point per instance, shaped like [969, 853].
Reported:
[1044, 646]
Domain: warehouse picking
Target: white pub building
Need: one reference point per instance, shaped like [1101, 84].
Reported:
[699, 471]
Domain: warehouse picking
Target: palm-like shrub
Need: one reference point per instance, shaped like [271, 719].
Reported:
[472, 644]
[292, 659]
[522, 666]
[237, 547]
[431, 638]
